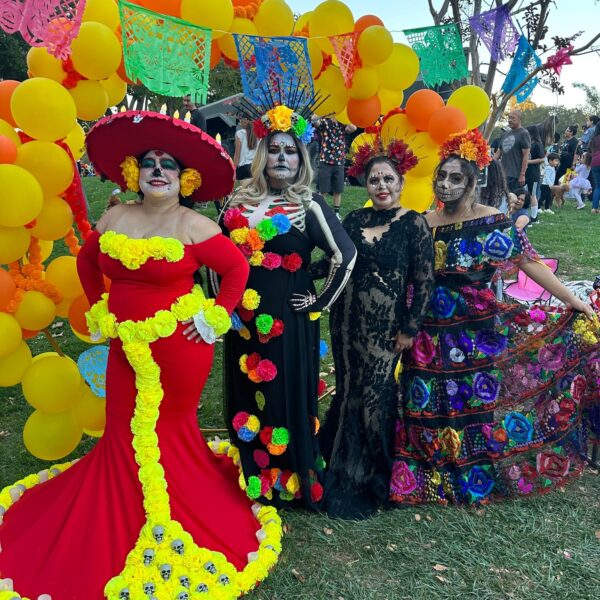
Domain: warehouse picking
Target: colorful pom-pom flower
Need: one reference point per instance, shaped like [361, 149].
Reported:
[246, 426]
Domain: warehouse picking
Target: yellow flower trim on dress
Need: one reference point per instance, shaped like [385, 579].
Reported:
[130, 169]
[170, 544]
[189, 181]
[133, 253]
[313, 316]
[251, 299]
[588, 329]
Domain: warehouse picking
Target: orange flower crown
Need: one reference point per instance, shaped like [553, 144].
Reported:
[470, 145]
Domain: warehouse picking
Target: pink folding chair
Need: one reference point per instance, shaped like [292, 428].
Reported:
[528, 291]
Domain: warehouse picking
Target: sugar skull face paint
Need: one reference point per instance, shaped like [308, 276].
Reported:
[159, 174]
[384, 186]
[451, 183]
[283, 161]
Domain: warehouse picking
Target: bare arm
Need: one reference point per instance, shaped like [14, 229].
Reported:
[350, 128]
[524, 162]
[543, 276]
[498, 154]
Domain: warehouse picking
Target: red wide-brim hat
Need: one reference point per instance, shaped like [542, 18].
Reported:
[135, 132]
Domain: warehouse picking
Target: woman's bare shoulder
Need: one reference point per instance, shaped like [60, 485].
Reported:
[199, 227]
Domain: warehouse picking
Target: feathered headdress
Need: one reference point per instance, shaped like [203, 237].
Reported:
[396, 151]
[288, 110]
[470, 145]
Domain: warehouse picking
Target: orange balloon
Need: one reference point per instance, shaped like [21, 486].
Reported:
[77, 311]
[215, 54]
[7, 87]
[420, 106]
[7, 288]
[366, 21]
[27, 334]
[8, 150]
[164, 7]
[364, 112]
[122, 73]
[445, 121]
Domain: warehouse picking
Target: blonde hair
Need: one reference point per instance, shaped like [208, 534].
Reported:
[256, 188]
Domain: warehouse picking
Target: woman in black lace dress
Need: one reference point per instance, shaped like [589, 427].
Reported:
[375, 318]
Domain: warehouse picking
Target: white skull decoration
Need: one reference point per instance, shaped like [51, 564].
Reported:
[210, 567]
[223, 579]
[149, 588]
[202, 587]
[124, 594]
[158, 531]
[182, 596]
[184, 580]
[165, 571]
[148, 556]
[178, 546]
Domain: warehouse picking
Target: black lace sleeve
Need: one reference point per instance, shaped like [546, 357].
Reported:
[327, 233]
[420, 275]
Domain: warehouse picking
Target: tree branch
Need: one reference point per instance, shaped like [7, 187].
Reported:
[440, 14]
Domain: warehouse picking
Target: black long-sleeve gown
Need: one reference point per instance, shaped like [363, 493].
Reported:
[394, 253]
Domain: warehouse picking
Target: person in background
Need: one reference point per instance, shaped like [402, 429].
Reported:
[548, 177]
[245, 149]
[330, 179]
[496, 193]
[196, 116]
[594, 150]
[589, 131]
[533, 174]
[567, 152]
[519, 208]
[513, 151]
[555, 146]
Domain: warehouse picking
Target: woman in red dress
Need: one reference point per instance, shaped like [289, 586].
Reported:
[151, 511]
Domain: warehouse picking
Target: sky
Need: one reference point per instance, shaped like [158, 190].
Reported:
[565, 18]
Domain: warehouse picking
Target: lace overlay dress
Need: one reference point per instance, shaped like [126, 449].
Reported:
[499, 400]
[394, 252]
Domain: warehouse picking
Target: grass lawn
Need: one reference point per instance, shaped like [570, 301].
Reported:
[541, 548]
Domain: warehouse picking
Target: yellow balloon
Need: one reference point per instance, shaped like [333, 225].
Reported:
[14, 242]
[13, 366]
[52, 384]
[62, 309]
[331, 17]
[417, 193]
[10, 334]
[302, 21]
[46, 247]
[316, 57]
[400, 70]
[473, 101]
[90, 410]
[62, 273]
[397, 127]
[375, 45]
[51, 437]
[342, 117]
[361, 140]
[54, 221]
[274, 17]
[115, 89]
[42, 355]
[42, 64]
[390, 99]
[48, 163]
[331, 84]
[36, 311]
[76, 141]
[216, 15]
[91, 100]
[364, 83]
[96, 51]
[103, 11]
[427, 151]
[95, 434]
[227, 43]
[43, 108]
[22, 195]
[7, 130]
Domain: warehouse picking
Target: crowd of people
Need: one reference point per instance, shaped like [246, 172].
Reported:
[443, 393]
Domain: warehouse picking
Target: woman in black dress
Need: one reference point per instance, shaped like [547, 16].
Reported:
[375, 318]
[271, 361]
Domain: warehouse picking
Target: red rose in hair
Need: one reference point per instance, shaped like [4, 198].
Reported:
[260, 131]
[292, 262]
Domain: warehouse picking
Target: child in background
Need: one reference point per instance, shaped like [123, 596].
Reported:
[548, 175]
[580, 184]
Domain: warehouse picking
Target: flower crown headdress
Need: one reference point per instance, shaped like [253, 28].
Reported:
[189, 179]
[396, 151]
[272, 108]
[470, 145]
